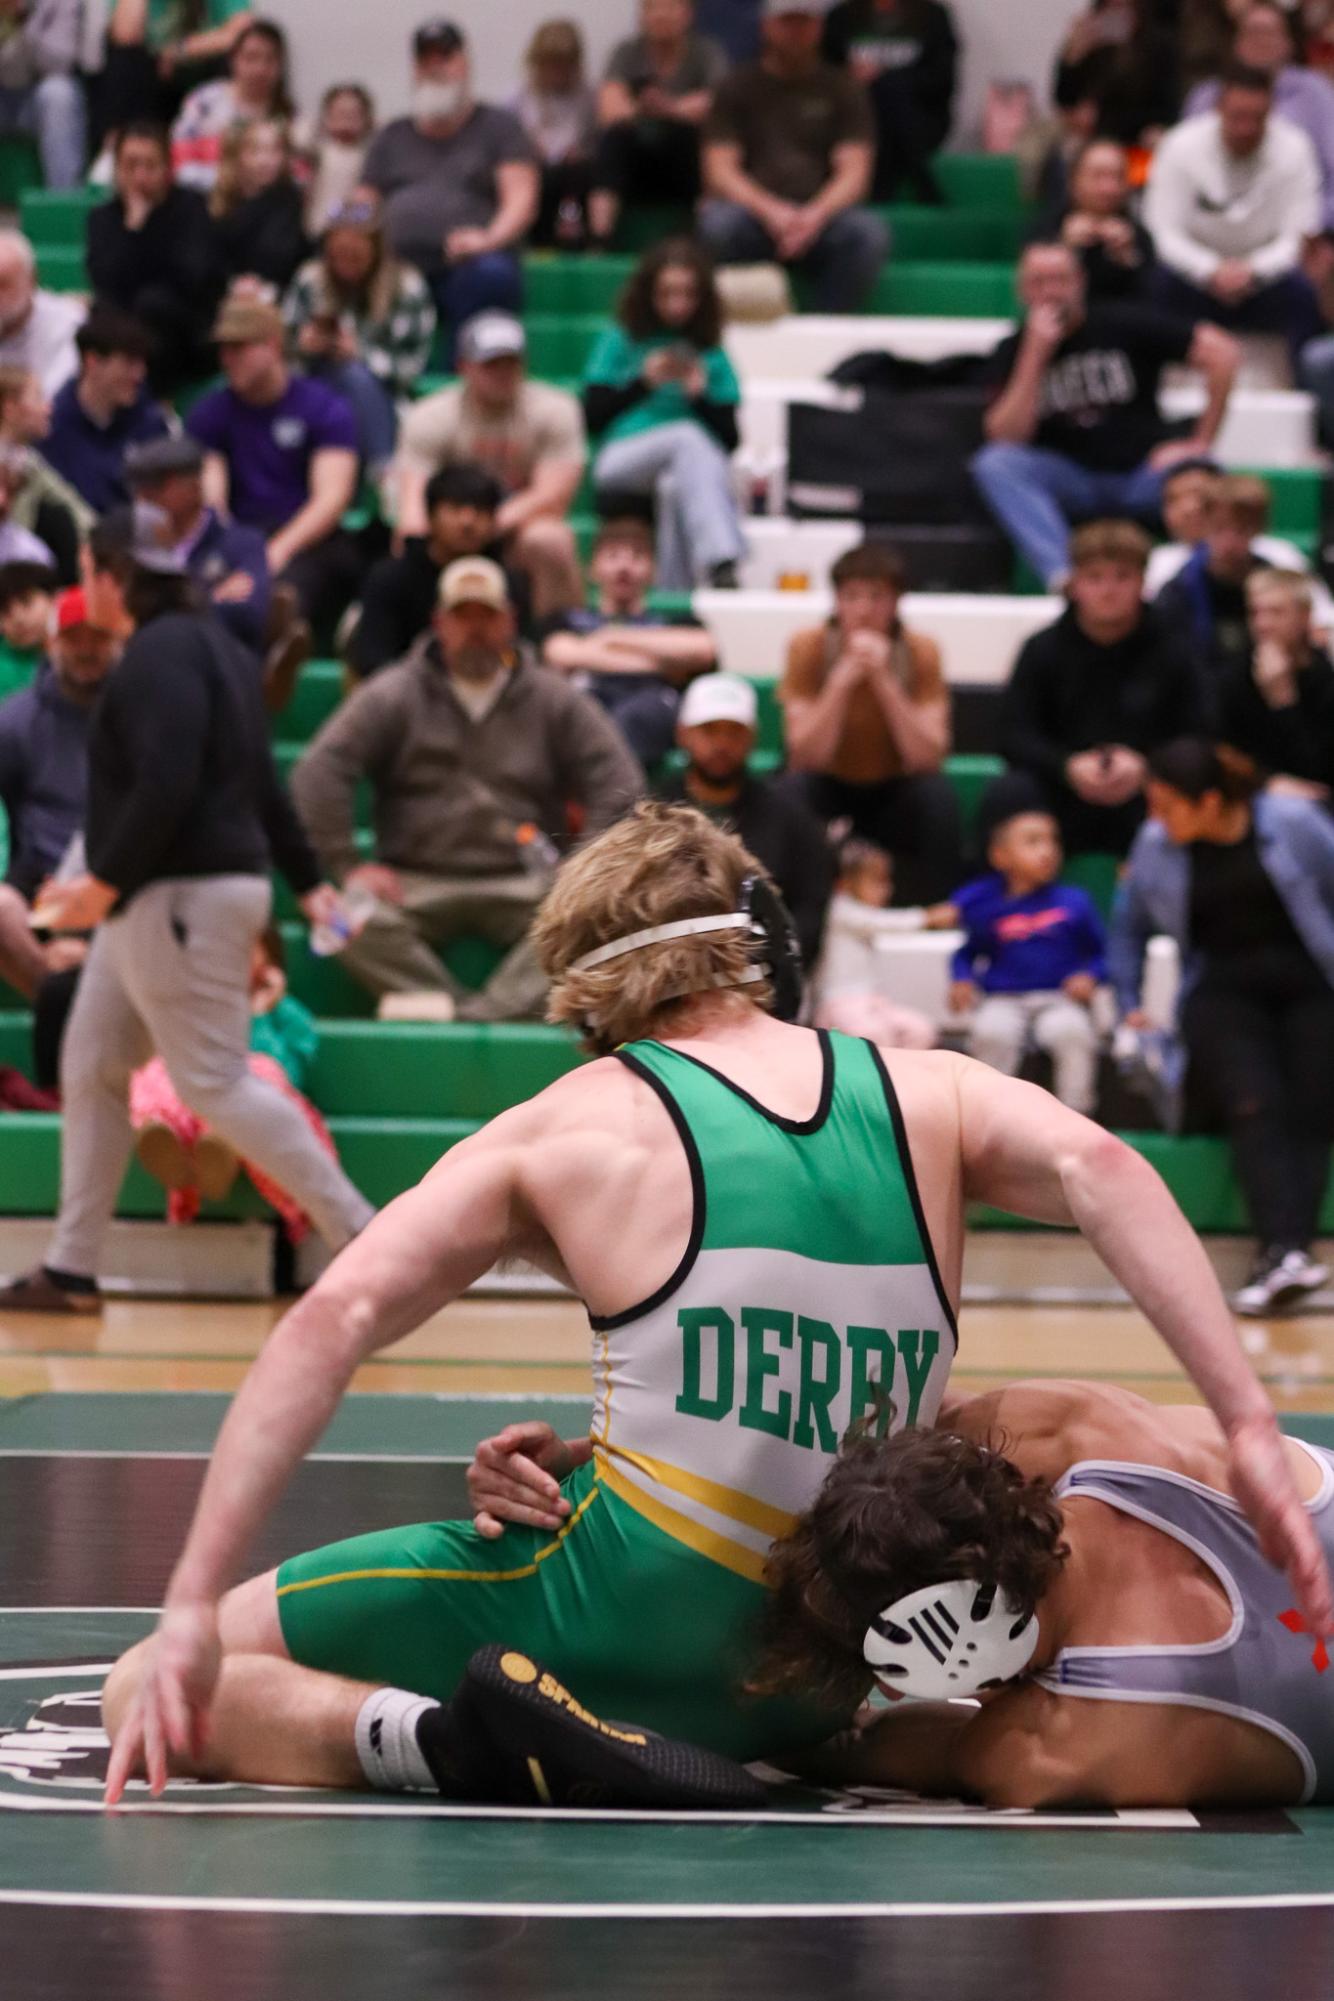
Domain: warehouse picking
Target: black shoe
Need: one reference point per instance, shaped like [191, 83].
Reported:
[1280, 1279]
[515, 1736]
[723, 577]
[44, 1291]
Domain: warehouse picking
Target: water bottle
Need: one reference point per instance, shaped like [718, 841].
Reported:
[349, 918]
[538, 853]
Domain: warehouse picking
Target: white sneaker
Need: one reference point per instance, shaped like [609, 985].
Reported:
[427, 1004]
[1280, 1279]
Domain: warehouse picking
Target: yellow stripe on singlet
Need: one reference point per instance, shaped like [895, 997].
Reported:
[448, 1576]
[720, 1500]
[732, 1556]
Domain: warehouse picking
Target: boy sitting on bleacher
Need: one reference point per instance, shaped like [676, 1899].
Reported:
[1033, 955]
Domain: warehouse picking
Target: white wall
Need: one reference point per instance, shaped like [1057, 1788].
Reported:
[368, 40]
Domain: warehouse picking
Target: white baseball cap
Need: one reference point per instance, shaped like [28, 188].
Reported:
[719, 698]
[474, 580]
[491, 336]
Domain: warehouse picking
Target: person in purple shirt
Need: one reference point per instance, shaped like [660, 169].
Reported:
[1033, 956]
[1264, 42]
[282, 457]
[103, 409]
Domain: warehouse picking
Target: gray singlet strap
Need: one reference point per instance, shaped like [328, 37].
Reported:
[1266, 1669]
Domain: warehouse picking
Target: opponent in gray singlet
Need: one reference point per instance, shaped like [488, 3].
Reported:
[1266, 1669]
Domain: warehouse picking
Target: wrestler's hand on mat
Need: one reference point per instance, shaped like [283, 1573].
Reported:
[169, 1710]
[515, 1477]
[1262, 1481]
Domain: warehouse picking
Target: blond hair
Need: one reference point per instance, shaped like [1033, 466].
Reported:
[1110, 542]
[226, 194]
[657, 866]
[1290, 584]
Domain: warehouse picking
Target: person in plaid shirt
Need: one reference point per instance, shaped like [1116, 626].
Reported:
[364, 322]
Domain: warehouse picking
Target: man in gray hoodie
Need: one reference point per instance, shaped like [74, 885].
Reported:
[475, 755]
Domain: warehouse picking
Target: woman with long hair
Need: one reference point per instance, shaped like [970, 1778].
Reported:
[1244, 882]
[364, 322]
[661, 396]
[257, 208]
[257, 85]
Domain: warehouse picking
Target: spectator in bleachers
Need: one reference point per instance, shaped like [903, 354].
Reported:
[660, 399]
[1245, 885]
[17, 544]
[225, 559]
[1075, 431]
[1096, 222]
[364, 322]
[557, 108]
[1118, 66]
[459, 185]
[334, 147]
[529, 434]
[1187, 492]
[158, 50]
[37, 327]
[153, 251]
[866, 714]
[788, 155]
[476, 754]
[282, 457]
[27, 612]
[733, 24]
[257, 86]
[1206, 600]
[1091, 696]
[1233, 196]
[41, 93]
[631, 659]
[906, 52]
[401, 592]
[1206, 31]
[44, 780]
[259, 212]
[104, 408]
[1278, 707]
[717, 729]
[1264, 42]
[43, 501]
[656, 94]
[857, 975]
[1032, 959]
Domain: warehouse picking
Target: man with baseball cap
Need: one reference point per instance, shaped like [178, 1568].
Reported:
[529, 434]
[459, 183]
[226, 558]
[788, 153]
[475, 754]
[44, 780]
[281, 458]
[717, 728]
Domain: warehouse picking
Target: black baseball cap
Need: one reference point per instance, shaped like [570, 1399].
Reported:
[437, 37]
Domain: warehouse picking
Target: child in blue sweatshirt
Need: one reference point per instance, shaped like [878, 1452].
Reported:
[1031, 961]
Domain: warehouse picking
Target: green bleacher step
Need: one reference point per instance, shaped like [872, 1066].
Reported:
[57, 218]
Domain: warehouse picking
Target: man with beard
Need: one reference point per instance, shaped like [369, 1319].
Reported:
[476, 755]
[716, 728]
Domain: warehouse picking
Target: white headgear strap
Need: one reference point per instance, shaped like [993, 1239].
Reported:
[950, 1639]
[685, 927]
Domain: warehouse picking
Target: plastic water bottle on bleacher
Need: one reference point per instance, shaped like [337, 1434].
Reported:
[350, 917]
[538, 853]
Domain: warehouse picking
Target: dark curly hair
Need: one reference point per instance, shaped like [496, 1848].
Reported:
[896, 1514]
[636, 311]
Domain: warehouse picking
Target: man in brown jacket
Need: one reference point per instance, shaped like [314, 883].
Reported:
[474, 754]
[867, 726]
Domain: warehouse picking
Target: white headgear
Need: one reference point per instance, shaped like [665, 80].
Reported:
[950, 1639]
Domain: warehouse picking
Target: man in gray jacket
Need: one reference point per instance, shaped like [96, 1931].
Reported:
[40, 94]
[475, 754]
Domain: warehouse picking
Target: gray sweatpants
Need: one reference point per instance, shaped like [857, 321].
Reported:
[170, 976]
[1005, 1026]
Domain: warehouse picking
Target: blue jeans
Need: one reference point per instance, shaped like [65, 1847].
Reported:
[490, 283]
[842, 264]
[1287, 306]
[689, 477]
[1315, 371]
[372, 406]
[643, 709]
[1036, 496]
[54, 112]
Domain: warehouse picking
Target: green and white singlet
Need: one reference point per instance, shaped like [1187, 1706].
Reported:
[808, 1285]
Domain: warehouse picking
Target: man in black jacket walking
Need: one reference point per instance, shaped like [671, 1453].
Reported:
[185, 814]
